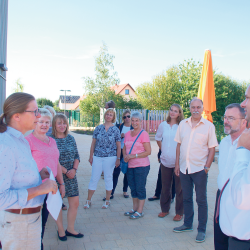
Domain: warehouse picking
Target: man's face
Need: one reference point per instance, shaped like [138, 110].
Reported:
[232, 121]
[246, 104]
[196, 109]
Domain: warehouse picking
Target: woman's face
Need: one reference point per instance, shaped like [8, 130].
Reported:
[28, 120]
[174, 112]
[127, 118]
[61, 126]
[43, 125]
[136, 123]
[109, 116]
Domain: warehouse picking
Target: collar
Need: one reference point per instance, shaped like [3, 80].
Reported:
[202, 120]
[15, 132]
[235, 141]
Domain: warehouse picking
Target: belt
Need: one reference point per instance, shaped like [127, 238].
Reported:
[31, 210]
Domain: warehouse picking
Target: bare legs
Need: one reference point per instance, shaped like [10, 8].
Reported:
[138, 205]
[71, 217]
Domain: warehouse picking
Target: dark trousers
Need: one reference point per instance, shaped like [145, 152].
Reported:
[235, 244]
[166, 196]
[199, 179]
[220, 239]
[159, 185]
[116, 174]
[45, 215]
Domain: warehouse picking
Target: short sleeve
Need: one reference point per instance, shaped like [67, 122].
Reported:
[158, 136]
[117, 134]
[76, 157]
[212, 139]
[96, 132]
[178, 134]
[144, 137]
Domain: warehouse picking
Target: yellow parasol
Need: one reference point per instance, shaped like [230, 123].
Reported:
[206, 88]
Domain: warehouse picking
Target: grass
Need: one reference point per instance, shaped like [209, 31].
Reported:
[84, 132]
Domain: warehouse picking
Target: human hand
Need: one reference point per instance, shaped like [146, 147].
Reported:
[91, 160]
[62, 190]
[44, 173]
[71, 173]
[48, 186]
[122, 135]
[177, 170]
[117, 163]
[244, 140]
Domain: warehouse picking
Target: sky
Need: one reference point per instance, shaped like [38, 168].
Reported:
[52, 44]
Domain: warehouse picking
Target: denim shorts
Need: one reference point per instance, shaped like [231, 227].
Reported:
[137, 178]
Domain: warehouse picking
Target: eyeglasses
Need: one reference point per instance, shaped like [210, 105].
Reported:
[229, 118]
[124, 117]
[36, 112]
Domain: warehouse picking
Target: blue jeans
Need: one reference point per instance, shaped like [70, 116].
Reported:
[199, 179]
[137, 178]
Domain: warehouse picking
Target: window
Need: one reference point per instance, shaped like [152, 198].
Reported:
[126, 91]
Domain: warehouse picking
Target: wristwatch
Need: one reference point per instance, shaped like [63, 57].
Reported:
[136, 155]
[207, 168]
[75, 169]
[63, 184]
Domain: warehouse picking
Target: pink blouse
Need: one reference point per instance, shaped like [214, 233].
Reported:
[44, 154]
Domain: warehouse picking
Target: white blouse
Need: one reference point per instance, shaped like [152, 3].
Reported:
[166, 135]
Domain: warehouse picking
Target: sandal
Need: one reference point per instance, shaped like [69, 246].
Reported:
[88, 204]
[105, 205]
[136, 215]
[130, 212]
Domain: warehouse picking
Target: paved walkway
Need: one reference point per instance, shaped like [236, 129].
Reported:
[110, 229]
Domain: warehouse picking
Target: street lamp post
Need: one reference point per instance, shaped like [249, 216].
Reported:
[65, 98]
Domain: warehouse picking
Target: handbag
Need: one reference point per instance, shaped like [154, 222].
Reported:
[123, 164]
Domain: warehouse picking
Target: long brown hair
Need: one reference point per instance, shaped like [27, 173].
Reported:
[57, 117]
[15, 103]
[180, 117]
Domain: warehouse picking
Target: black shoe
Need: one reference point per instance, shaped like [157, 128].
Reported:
[63, 238]
[153, 199]
[74, 235]
[111, 197]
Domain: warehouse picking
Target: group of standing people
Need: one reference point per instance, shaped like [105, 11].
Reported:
[187, 152]
[24, 181]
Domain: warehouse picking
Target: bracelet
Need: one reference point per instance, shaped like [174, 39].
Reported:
[118, 158]
[75, 169]
[63, 184]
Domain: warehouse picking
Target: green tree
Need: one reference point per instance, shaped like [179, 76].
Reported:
[56, 106]
[18, 86]
[105, 77]
[44, 101]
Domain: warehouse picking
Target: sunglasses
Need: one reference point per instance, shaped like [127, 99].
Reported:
[124, 117]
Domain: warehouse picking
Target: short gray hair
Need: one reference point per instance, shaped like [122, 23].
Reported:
[136, 114]
[51, 110]
[236, 105]
[195, 99]
[45, 112]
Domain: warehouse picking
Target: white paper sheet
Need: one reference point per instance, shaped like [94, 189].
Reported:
[54, 201]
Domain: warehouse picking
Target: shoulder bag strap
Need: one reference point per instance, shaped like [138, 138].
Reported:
[135, 142]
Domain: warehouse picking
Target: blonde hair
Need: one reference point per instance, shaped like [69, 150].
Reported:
[111, 111]
[124, 113]
[51, 110]
[45, 112]
[180, 117]
[57, 117]
[15, 103]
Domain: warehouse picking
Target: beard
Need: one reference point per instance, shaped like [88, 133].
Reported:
[228, 129]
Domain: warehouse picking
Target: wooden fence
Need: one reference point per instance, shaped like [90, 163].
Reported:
[151, 119]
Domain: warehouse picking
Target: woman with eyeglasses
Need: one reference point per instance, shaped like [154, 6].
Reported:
[165, 139]
[22, 192]
[124, 127]
[45, 152]
[104, 156]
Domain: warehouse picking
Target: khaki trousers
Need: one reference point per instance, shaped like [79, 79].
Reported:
[166, 191]
[19, 231]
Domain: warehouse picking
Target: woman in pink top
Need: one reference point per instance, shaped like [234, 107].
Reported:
[45, 153]
[138, 164]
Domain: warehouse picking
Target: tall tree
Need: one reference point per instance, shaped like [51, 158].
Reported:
[44, 101]
[105, 77]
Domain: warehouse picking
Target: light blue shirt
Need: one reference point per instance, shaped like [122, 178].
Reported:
[18, 172]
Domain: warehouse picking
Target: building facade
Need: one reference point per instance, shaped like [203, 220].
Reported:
[3, 50]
